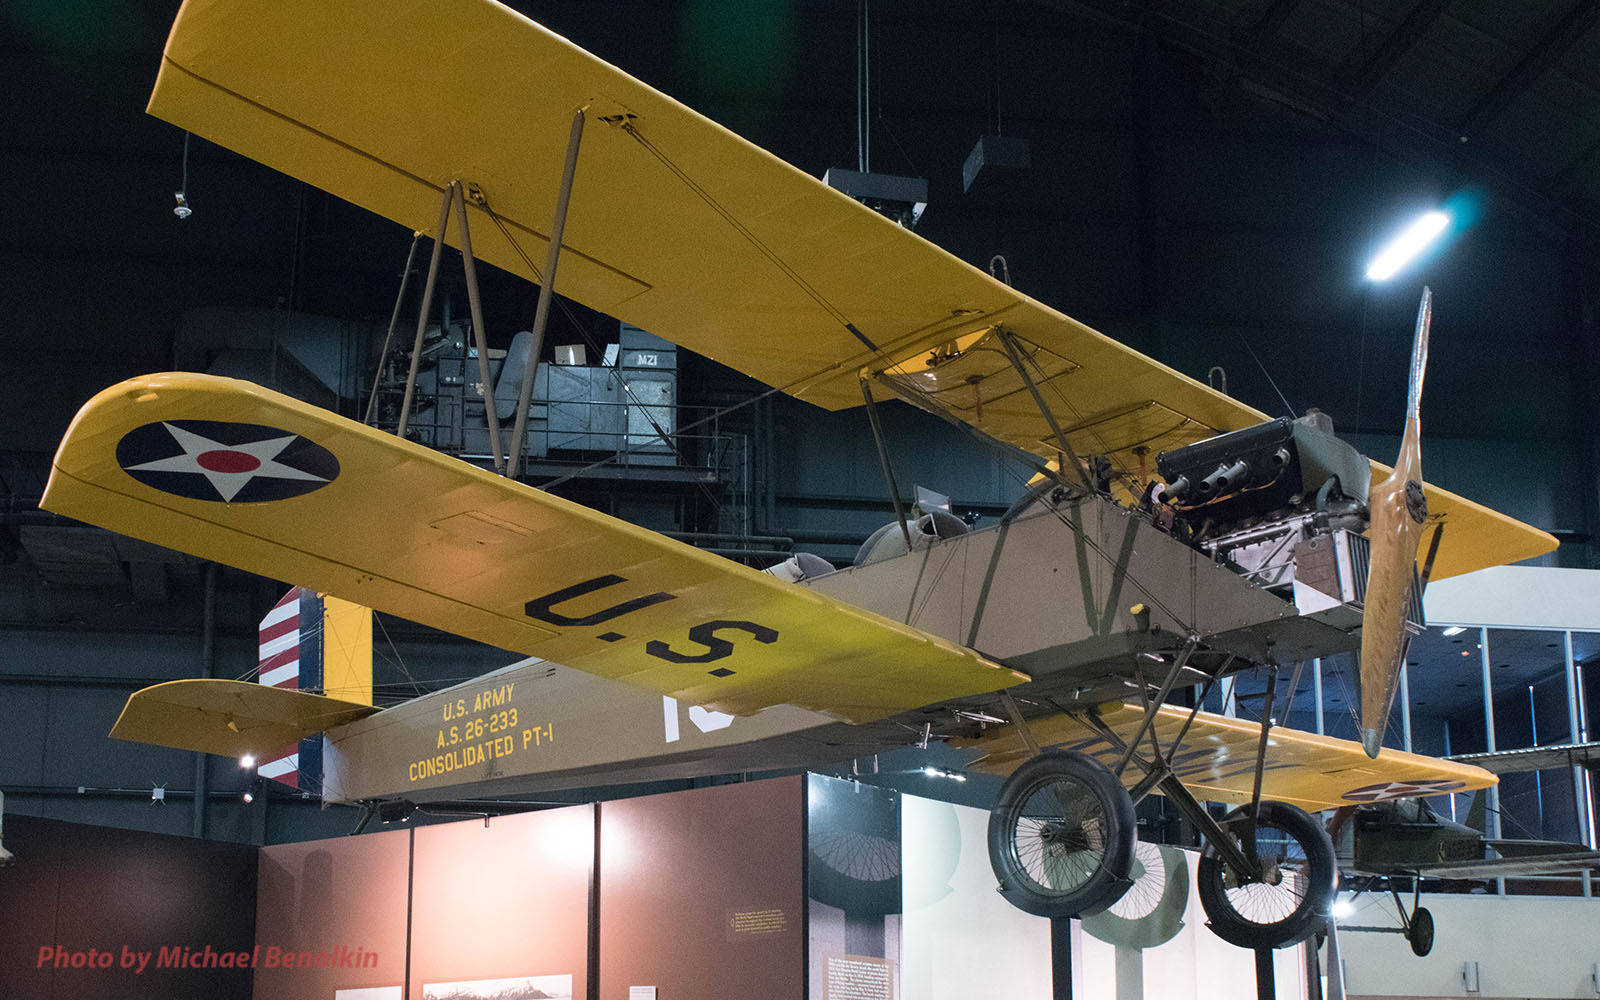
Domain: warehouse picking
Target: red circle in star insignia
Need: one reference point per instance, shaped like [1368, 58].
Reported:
[223, 460]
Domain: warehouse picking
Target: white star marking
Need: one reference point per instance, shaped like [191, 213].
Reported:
[228, 484]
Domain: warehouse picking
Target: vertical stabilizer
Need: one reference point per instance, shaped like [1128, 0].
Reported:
[320, 645]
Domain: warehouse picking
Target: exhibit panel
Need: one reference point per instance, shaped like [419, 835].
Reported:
[853, 890]
[500, 906]
[963, 941]
[1193, 964]
[91, 911]
[345, 896]
[1514, 946]
[700, 892]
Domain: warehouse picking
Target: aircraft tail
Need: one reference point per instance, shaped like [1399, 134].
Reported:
[1478, 813]
[317, 644]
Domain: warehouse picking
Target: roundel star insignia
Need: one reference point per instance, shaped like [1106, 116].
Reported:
[1402, 789]
[225, 462]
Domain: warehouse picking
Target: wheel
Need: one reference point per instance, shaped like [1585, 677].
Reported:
[1061, 836]
[1290, 902]
[1421, 933]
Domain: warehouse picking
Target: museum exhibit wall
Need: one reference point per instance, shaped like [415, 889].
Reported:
[129, 892]
[502, 899]
[313, 896]
[701, 894]
[698, 893]
[1525, 947]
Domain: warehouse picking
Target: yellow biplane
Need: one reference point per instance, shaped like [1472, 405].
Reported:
[1175, 536]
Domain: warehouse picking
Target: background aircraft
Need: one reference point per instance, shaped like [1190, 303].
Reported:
[1406, 838]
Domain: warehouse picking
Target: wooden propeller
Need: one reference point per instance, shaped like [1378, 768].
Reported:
[1398, 510]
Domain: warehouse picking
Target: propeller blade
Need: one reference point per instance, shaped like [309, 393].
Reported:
[1398, 510]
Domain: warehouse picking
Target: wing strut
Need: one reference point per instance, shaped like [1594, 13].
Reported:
[1009, 344]
[541, 314]
[452, 197]
[883, 459]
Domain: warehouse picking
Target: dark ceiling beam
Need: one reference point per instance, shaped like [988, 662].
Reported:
[1361, 79]
[1269, 23]
[1325, 96]
[1532, 66]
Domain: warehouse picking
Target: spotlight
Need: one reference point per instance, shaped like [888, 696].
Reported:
[247, 761]
[182, 210]
[1341, 908]
[249, 796]
[1403, 248]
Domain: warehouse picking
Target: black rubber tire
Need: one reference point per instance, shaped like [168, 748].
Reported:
[1420, 937]
[1062, 817]
[1284, 914]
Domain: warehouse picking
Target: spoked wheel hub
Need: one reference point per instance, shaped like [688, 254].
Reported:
[1061, 836]
[1286, 897]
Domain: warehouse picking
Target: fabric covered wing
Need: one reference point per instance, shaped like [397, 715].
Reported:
[244, 476]
[231, 718]
[676, 224]
[1217, 760]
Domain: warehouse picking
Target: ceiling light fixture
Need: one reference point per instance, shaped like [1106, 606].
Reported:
[182, 209]
[1455, 630]
[1405, 247]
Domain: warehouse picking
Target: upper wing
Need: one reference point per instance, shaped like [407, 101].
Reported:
[229, 471]
[1535, 758]
[1218, 756]
[678, 225]
[1555, 863]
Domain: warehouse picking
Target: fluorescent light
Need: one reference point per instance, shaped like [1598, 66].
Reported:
[1407, 245]
[1455, 630]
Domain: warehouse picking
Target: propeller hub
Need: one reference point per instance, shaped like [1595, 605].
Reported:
[1416, 501]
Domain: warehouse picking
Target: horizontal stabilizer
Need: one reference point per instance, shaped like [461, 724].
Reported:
[229, 718]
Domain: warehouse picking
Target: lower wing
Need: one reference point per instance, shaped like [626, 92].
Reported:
[1217, 759]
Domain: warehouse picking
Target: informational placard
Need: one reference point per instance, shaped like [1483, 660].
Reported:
[641, 993]
[859, 977]
[747, 923]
